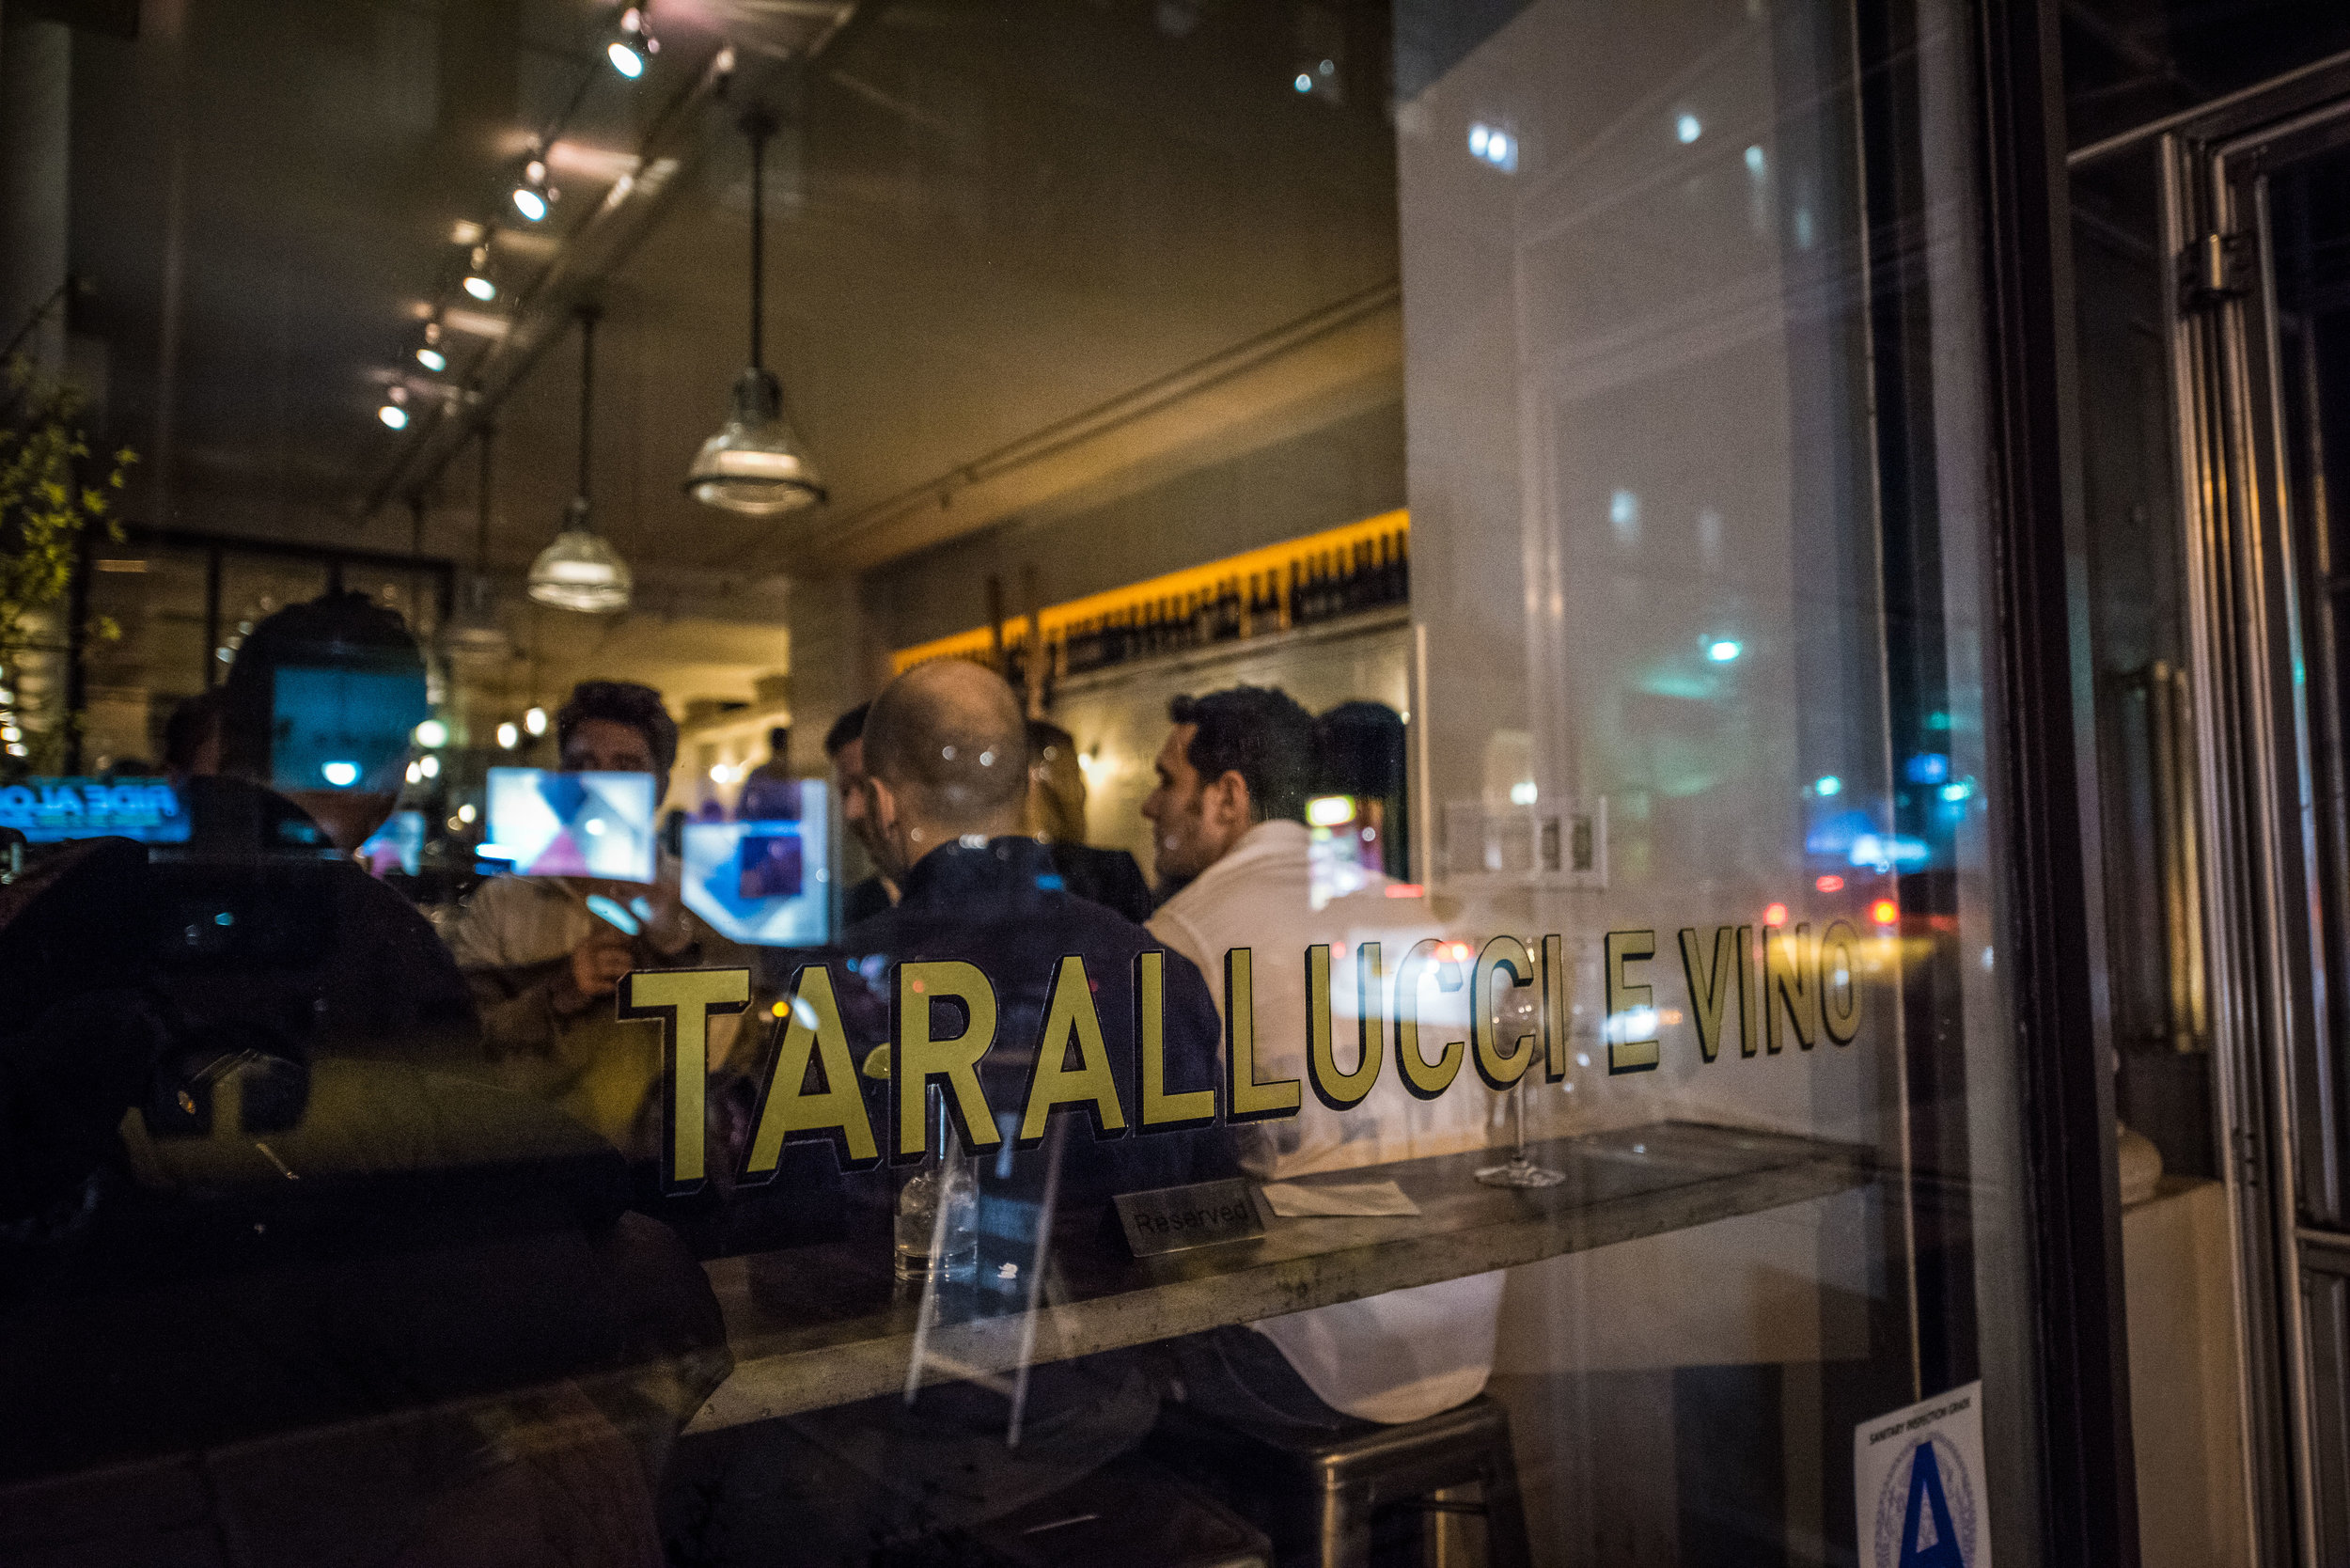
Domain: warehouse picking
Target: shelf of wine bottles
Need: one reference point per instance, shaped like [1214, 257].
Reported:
[1321, 586]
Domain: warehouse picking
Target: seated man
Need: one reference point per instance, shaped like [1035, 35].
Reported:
[543, 967]
[1228, 822]
[945, 749]
[1056, 816]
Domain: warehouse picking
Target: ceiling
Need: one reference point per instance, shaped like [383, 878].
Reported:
[985, 222]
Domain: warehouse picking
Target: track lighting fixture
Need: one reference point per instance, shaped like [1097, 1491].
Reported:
[635, 45]
[533, 195]
[478, 280]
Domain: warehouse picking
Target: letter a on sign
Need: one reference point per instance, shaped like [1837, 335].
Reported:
[1929, 1538]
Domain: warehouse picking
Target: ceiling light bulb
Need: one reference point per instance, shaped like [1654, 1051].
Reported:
[625, 59]
[432, 732]
[535, 721]
[536, 171]
[429, 766]
[480, 288]
[509, 736]
[394, 415]
[432, 359]
[529, 203]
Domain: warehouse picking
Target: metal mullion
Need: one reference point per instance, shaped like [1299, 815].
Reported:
[2242, 1090]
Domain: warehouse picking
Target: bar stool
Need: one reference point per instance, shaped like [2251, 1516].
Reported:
[1315, 1493]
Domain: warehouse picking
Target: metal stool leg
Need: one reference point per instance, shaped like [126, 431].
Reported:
[1506, 1544]
[1345, 1528]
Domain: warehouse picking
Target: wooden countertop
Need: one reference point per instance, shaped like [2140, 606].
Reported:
[822, 1325]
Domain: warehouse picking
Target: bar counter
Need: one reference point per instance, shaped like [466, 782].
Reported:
[822, 1325]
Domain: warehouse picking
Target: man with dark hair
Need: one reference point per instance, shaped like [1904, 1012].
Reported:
[946, 754]
[1229, 820]
[543, 963]
[844, 745]
[1056, 816]
[616, 726]
[1234, 758]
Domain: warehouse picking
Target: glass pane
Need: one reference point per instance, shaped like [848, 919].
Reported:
[1377, 942]
[1694, 456]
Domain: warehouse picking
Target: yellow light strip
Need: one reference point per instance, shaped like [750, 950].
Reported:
[1056, 619]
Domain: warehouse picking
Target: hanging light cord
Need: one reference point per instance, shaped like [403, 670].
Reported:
[758, 125]
[587, 314]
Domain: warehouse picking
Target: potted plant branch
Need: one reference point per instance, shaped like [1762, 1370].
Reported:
[49, 502]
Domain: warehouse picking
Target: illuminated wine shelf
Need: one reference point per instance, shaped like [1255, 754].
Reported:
[1280, 587]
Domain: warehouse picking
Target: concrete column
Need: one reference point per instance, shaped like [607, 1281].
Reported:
[837, 662]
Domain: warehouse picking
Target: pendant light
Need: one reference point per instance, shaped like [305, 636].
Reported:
[579, 571]
[475, 627]
[755, 466]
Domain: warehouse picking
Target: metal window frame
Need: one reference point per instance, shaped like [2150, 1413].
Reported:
[2050, 888]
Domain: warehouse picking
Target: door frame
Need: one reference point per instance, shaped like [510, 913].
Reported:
[2253, 736]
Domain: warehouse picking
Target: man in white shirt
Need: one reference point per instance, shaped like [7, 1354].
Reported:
[1227, 829]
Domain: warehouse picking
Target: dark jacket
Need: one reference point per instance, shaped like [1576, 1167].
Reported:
[1002, 907]
[1109, 877]
[1005, 909]
[862, 902]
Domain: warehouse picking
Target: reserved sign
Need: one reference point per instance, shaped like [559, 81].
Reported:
[1173, 1220]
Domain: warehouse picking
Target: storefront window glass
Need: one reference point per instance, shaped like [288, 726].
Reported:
[1300, 868]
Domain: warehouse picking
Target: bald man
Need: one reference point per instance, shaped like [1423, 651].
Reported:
[947, 772]
[946, 762]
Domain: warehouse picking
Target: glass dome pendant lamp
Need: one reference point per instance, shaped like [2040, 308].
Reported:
[580, 571]
[755, 466]
[475, 627]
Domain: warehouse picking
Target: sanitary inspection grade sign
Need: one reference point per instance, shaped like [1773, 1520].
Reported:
[1917, 1484]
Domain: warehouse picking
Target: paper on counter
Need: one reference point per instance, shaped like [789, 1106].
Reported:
[1292, 1201]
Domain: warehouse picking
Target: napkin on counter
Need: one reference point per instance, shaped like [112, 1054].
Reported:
[1292, 1201]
